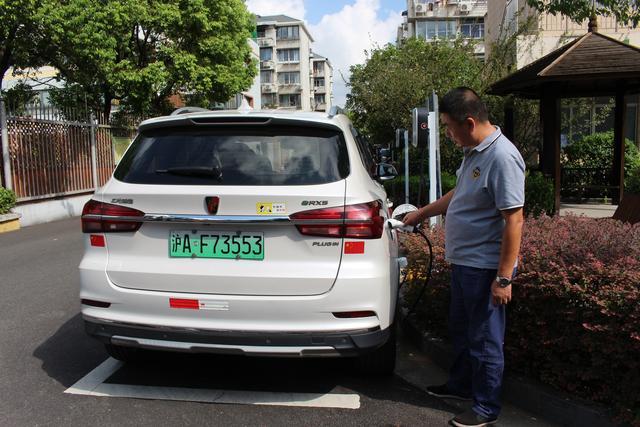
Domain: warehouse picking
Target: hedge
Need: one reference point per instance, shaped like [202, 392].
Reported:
[7, 200]
[574, 322]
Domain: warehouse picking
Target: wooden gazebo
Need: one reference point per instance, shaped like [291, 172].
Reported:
[592, 65]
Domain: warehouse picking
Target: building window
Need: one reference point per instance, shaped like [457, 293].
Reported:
[288, 55]
[269, 100]
[262, 31]
[266, 76]
[318, 82]
[266, 54]
[290, 101]
[289, 78]
[471, 29]
[288, 33]
[440, 29]
[319, 99]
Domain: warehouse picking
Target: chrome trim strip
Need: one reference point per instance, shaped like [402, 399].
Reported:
[224, 219]
[196, 219]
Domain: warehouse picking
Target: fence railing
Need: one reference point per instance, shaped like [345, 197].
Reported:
[47, 153]
[586, 183]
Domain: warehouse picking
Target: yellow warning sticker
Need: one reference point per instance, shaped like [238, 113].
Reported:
[270, 208]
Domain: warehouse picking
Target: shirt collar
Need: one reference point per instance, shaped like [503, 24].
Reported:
[486, 143]
[488, 140]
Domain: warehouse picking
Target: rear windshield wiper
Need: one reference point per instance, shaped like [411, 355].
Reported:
[199, 171]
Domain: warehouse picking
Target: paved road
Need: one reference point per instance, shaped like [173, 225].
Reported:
[44, 351]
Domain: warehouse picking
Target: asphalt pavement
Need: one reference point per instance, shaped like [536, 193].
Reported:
[44, 351]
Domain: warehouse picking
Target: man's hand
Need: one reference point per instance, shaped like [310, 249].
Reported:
[413, 218]
[500, 295]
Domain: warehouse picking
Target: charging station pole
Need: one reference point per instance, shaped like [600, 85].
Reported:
[426, 130]
[406, 166]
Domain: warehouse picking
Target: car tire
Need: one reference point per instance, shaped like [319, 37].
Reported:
[125, 354]
[381, 361]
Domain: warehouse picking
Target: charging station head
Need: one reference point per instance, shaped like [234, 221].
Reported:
[400, 211]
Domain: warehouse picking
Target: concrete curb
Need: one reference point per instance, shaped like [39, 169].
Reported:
[552, 405]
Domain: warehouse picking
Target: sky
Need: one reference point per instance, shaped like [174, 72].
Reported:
[342, 29]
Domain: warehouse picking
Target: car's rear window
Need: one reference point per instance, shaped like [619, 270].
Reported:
[242, 155]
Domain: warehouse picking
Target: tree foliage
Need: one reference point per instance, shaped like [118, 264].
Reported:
[625, 11]
[20, 34]
[140, 52]
[394, 80]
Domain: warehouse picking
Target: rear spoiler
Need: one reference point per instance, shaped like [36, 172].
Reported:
[224, 121]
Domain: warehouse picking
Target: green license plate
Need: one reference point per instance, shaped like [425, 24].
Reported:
[211, 244]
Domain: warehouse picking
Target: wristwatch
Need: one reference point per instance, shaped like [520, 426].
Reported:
[503, 282]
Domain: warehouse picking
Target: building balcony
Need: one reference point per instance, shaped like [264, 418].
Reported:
[452, 9]
[320, 89]
[289, 88]
[284, 67]
[266, 42]
[318, 73]
[288, 43]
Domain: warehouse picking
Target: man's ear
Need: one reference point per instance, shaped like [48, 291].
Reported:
[471, 124]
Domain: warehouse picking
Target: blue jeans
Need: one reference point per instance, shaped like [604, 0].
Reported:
[476, 327]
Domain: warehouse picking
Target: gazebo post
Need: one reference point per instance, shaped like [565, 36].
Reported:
[509, 126]
[619, 127]
[550, 123]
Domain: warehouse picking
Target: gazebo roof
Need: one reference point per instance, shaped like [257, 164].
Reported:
[593, 64]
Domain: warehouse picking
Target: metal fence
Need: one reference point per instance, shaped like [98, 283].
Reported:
[48, 153]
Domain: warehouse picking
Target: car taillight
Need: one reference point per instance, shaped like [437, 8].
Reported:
[99, 217]
[361, 221]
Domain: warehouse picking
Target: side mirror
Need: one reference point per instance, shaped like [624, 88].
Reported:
[386, 172]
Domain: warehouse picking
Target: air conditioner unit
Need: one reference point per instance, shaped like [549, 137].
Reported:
[464, 7]
[421, 8]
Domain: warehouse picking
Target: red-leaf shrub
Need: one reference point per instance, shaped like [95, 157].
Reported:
[574, 322]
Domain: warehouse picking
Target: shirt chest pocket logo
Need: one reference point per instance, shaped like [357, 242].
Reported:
[476, 173]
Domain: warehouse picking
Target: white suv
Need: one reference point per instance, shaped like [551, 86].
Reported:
[257, 233]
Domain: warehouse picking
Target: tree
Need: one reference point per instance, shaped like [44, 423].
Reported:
[394, 80]
[20, 34]
[626, 12]
[140, 52]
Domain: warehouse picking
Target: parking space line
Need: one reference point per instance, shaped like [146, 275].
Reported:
[93, 379]
[93, 385]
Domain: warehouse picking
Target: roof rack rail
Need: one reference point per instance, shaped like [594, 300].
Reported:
[335, 110]
[185, 110]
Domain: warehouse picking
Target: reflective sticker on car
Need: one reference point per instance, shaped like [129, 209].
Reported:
[270, 208]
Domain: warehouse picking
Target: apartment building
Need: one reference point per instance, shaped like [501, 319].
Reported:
[547, 33]
[321, 83]
[445, 19]
[285, 63]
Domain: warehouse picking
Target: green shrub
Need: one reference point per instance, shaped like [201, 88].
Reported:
[632, 183]
[574, 321]
[7, 200]
[539, 195]
[596, 151]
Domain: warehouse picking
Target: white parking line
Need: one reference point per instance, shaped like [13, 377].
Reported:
[93, 385]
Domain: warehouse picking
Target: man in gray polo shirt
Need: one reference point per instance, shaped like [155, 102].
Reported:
[483, 228]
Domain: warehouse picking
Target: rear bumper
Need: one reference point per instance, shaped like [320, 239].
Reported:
[262, 343]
